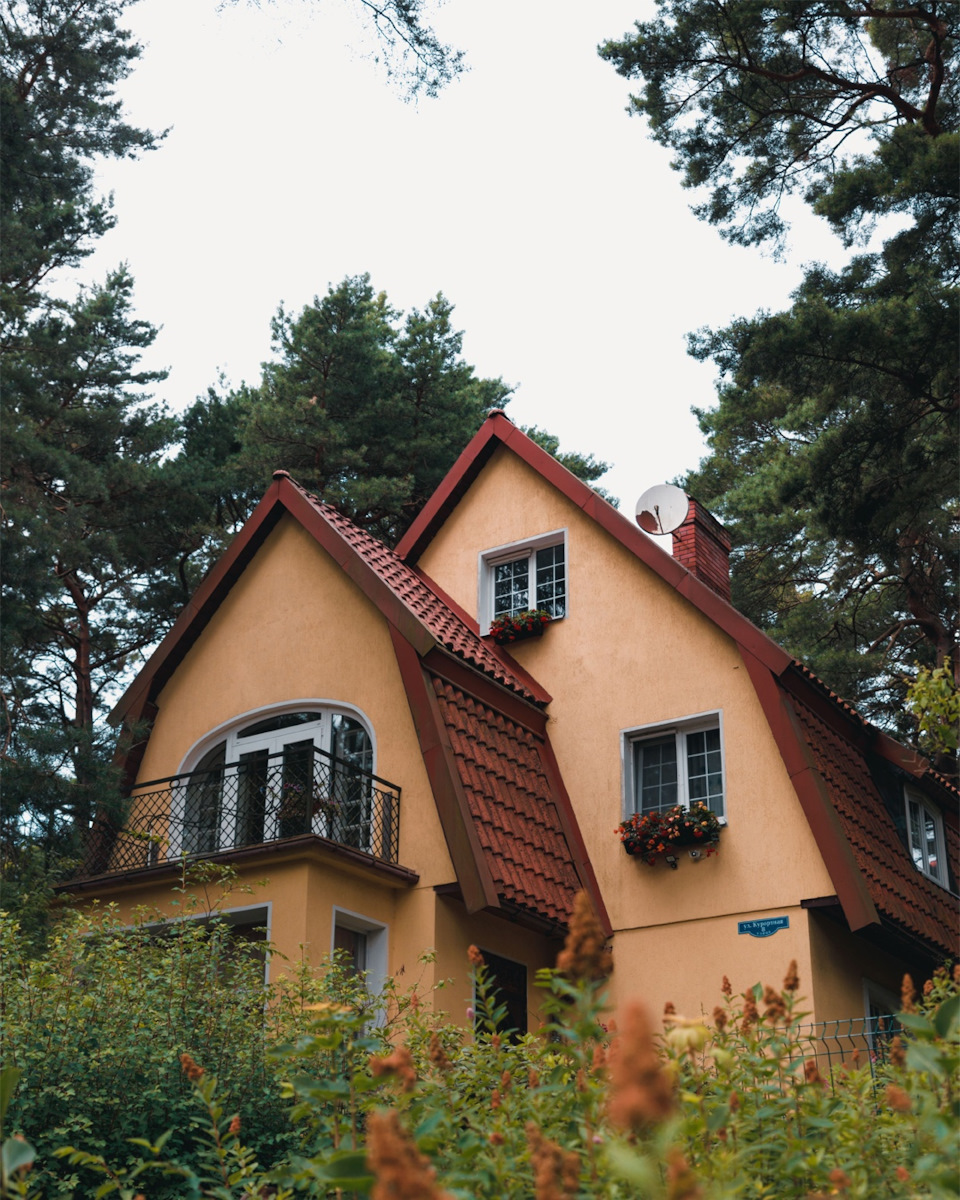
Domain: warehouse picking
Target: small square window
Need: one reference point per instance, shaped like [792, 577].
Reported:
[925, 838]
[523, 576]
[682, 764]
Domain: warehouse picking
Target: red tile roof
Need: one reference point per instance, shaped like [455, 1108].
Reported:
[900, 892]
[451, 629]
[506, 783]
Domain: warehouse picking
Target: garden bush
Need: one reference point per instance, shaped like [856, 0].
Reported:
[734, 1105]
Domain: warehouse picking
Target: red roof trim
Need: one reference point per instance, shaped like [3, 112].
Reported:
[201, 606]
[835, 849]
[286, 497]
[536, 689]
[466, 853]
[496, 431]
[440, 661]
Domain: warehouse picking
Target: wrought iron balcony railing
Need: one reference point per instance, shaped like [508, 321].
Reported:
[263, 798]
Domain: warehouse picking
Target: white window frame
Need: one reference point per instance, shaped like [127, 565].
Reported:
[928, 809]
[229, 731]
[510, 552]
[240, 915]
[697, 723]
[377, 967]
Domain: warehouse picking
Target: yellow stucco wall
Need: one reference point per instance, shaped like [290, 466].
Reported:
[295, 627]
[842, 963]
[631, 653]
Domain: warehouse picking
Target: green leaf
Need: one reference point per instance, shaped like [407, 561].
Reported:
[633, 1166]
[16, 1154]
[922, 1057]
[9, 1078]
[947, 1016]
[915, 1023]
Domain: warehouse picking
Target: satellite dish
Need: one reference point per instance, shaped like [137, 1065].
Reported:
[662, 508]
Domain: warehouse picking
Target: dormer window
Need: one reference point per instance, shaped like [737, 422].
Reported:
[925, 837]
[524, 575]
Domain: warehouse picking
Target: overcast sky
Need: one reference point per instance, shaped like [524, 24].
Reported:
[524, 192]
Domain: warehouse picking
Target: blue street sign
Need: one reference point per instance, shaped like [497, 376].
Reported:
[766, 927]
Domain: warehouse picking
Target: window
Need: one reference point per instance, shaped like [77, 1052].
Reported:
[925, 837]
[286, 774]
[364, 944]
[525, 575]
[677, 764]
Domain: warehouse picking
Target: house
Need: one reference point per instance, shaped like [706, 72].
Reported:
[335, 716]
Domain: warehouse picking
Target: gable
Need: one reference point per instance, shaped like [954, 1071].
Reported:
[504, 487]
[304, 599]
[295, 628]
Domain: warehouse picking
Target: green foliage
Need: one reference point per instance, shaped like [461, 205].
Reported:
[745, 1105]
[761, 99]
[933, 700]
[365, 407]
[91, 517]
[833, 447]
[60, 64]
[96, 1026]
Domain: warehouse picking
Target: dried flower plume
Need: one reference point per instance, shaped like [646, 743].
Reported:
[641, 1093]
[585, 954]
[402, 1172]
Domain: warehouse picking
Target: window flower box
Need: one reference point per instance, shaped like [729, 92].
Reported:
[516, 627]
[655, 835]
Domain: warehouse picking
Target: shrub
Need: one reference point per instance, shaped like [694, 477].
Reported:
[739, 1106]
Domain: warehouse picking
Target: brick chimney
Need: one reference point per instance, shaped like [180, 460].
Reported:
[703, 546]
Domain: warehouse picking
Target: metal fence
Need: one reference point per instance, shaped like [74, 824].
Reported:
[837, 1046]
[263, 798]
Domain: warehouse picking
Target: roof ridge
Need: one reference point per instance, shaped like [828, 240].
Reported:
[445, 620]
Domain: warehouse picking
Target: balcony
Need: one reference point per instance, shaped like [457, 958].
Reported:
[264, 799]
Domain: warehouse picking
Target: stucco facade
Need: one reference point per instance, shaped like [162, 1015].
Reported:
[515, 764]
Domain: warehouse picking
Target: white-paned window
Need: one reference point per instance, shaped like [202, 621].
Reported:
[525, 575]
[925, 837]
[279, 775]
[681, 763]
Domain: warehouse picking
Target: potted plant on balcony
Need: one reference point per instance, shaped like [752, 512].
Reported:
[656, 835]
[515, 627]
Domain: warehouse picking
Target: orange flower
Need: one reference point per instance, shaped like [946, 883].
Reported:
[726, 987]
[399, 1063]
[908, 994]
[438, 1056]
[791, 981]
[720, 1019]
[641, 1093]
[898, 1099]
[811, 1072]
[556, 1172]
[681, 1181]
[585, 954]
[475, 957]
[402, 1172]
[192, 1071]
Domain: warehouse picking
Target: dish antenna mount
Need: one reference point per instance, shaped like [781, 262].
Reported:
[662, 508]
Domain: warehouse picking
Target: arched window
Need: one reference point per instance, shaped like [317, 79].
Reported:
[280, 776]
